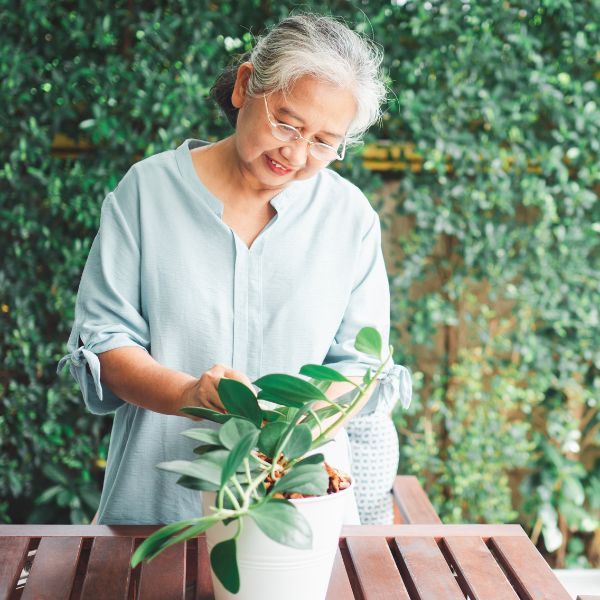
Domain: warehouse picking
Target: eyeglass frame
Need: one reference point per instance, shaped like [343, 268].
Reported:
[276, 124]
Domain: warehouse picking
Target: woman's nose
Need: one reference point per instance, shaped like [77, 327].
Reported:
[295, 153]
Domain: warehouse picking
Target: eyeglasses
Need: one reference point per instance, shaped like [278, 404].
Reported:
[288, 133]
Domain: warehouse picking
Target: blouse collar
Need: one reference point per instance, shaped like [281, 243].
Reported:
[186, 167]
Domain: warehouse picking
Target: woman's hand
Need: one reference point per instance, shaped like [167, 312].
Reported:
[203, 391]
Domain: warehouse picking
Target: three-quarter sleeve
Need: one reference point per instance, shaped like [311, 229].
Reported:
[108, 307]
[369, 305]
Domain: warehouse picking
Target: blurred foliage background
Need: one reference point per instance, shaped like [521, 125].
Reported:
[485, 172]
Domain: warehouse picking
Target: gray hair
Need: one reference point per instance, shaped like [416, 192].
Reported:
[317, 45]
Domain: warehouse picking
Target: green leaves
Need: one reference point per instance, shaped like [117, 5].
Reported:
[239, 400]
[201, 469]
[208, 436]
[223, 560]
[288, 390]
[170, 535]
[368, 340]
[231, 433]
[240, 451]
[205, 413]
[323, 373]
[299, 442]
[270, 436]
[282, 522]
[310, 479]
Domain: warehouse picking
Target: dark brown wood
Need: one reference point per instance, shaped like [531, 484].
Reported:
[529, 573]
[108, 569]
[477, 571]
[163, 578]
[425, 571]
[400, 561]
[53, 570]
[339, 584]
[412, 501]
[13, 552]
[588, 597]
[204, 586]
[376, 571]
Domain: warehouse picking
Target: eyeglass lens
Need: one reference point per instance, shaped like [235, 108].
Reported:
[286, 133]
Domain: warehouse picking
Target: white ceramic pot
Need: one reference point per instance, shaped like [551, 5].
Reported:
[272, 571]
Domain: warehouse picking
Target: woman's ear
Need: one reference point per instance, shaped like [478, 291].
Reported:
[240, 86]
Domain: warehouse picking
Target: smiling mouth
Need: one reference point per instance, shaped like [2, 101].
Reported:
[278, 167]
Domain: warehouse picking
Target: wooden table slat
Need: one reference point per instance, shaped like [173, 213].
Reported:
[376, 570]
[70, 561]
[413, 504]
[339, 584]
[108, 570]
[53, 570]
[204, 586]
[389, 531]
[427, 571]
[477, 570]
[13, 552]
[163, 578]
[531, 575]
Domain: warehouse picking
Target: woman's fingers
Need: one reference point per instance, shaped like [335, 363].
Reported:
[239, 376]
[209, 385]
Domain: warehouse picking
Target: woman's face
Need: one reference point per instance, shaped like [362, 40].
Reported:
[320, 112]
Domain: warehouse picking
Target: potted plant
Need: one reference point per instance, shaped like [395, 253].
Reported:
[273, 508]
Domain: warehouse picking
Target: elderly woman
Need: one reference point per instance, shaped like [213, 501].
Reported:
[237, 259]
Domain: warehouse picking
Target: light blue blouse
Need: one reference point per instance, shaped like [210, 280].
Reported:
[166, 274]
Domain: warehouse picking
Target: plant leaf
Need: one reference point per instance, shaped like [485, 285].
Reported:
[282, 522]
[271, 415]
[223, 560]
[200, 485]
[269, 437]
[234, 430]
[289, 387]
[368, 340]
[304, 479]
[206, 413]
[313, 459]
[201, 450]
[299, 442]
[154, 544]
[208, 436]
[199, 469]
[323, 373]
[240, 451]
[282, 401]
[239, 400]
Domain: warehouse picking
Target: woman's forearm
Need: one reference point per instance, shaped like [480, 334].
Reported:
[134, 376]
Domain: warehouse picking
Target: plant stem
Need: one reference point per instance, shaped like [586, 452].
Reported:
[260, 461]
[238, 486]
[316, 418]
[232, 497]
[322, 438]
[249, 477]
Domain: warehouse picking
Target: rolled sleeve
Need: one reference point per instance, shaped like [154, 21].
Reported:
[369, 305]
[108, 307]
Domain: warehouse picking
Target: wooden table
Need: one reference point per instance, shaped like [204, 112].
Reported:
[425, 562]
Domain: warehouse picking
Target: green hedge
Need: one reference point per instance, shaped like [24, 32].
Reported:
[500, 99]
